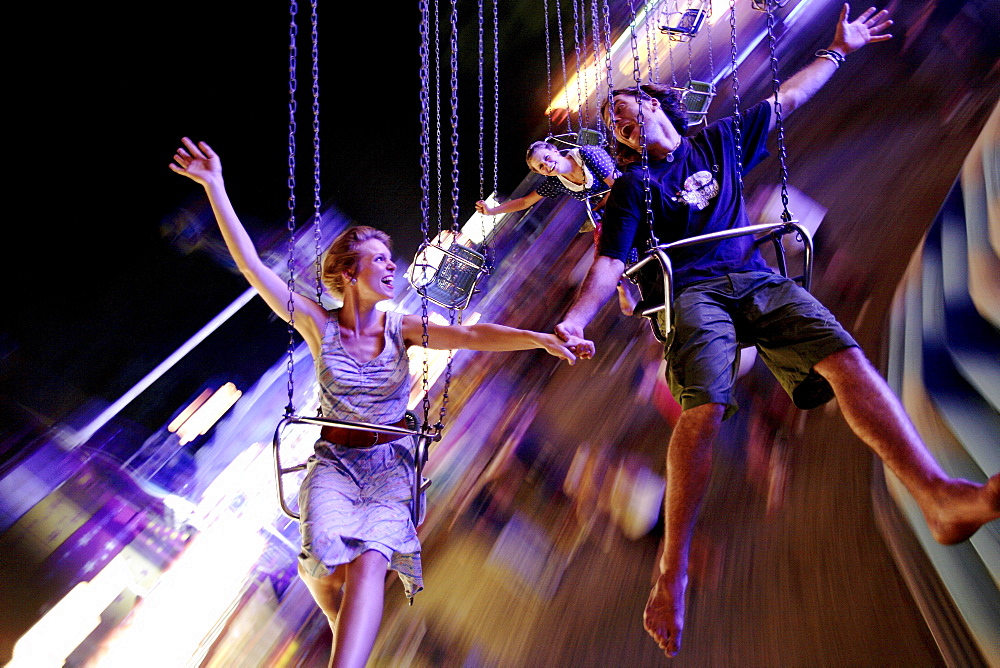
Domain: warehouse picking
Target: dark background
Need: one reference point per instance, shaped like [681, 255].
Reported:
[114, 261]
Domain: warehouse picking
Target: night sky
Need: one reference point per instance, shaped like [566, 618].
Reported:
[100, 286]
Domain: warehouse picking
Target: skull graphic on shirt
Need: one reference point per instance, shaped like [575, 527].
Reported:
[699, 189]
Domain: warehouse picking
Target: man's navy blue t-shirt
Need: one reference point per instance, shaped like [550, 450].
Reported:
[695, 193]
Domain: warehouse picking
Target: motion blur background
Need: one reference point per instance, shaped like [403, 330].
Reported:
[131, 539]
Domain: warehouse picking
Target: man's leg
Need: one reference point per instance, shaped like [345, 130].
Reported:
[954, 508]
[689, 468]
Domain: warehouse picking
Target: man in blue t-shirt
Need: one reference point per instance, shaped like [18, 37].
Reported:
[724, 293]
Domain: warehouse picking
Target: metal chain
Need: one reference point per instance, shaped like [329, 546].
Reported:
[548, 59]
[562, 58]
[607, 62]
[482, 163]
[454, 116]
[317, 202]
[711, 59]
[776, 85]
[737, 114]
[595, 28]
[670, 52]
[650, 49]
[581, 108]
[425, 164]
[292, 85]
[644, 152]
[439, 146]
[496, 121]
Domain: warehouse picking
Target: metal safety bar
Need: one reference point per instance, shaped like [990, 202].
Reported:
[423, 440]
[772, 231]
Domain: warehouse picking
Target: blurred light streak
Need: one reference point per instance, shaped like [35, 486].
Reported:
[176, 624]
[84, 434]
[189, 410]
[208, 413]
[72, 619]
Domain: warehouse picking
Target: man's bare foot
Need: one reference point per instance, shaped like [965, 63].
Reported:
[664, 615]
[962, 508]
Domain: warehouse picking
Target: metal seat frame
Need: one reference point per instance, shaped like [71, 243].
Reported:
[771, 231]
[688, 24]
[423, 441]
[458, 274]
[585, 137]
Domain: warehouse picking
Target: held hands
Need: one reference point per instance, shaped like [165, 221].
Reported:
[567, 350]
[866, 28]
[483, 209]
[571, 335]
[198, 162]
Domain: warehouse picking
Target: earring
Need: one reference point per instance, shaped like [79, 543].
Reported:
[354, 281]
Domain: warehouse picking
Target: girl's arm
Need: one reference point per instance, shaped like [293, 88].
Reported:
[490, 337]
[200, 163]
[519, 204]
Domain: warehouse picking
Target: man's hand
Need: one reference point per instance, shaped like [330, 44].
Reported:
[866, 28]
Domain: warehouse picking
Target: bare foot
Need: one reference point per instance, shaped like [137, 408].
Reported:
[962, 508]
[664, 614]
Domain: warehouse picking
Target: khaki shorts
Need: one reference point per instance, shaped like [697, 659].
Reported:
[790, 328]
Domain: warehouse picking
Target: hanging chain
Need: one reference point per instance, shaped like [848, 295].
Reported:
[711, 59]
[670, 50]
[425, 165]
[292, 85]
[439, 145]
[482, 163]
[562, 58]
[548, 60]
[776, 85]
[595, 28]
[650, 49]
[637, 77]
[580, 107]
[317, 202]
[737, 114]
[607, 64]
[496, 120]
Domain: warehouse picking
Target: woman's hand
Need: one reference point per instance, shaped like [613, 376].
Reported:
[483, 209]
[567, 350]
[866, 28]
[198, 162]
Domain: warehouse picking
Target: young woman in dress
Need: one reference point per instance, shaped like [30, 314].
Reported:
[355, 498]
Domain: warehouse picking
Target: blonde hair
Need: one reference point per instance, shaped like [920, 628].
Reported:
[342, 255]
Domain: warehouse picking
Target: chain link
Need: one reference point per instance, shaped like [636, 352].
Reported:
[737, 113]
[317, 202]
[562, 58]
[607, 63]
[425, 139]
[776, 86]
[292, 86]
[581, 108]
[644, 152]
[548, 59]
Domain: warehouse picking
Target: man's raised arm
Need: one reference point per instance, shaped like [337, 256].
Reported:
[848, 37]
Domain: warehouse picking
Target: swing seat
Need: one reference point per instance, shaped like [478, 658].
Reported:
[685, 26]
[452, 282]
[650, 306]
[585, 137]
[697, 97]
[761, 5]
[423, 440]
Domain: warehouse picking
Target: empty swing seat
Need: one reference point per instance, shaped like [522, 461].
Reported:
[452, 282]
[651, 307]
[697, 97]
[585, 137]
[682, 26]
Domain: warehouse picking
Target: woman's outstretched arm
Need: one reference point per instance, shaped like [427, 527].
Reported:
[495, 338]
[202, 165]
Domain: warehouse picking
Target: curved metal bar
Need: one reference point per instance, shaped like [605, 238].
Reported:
[423, 439]
[659, 253]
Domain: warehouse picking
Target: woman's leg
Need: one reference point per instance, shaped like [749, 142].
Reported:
[326, 591]
[360, 611]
